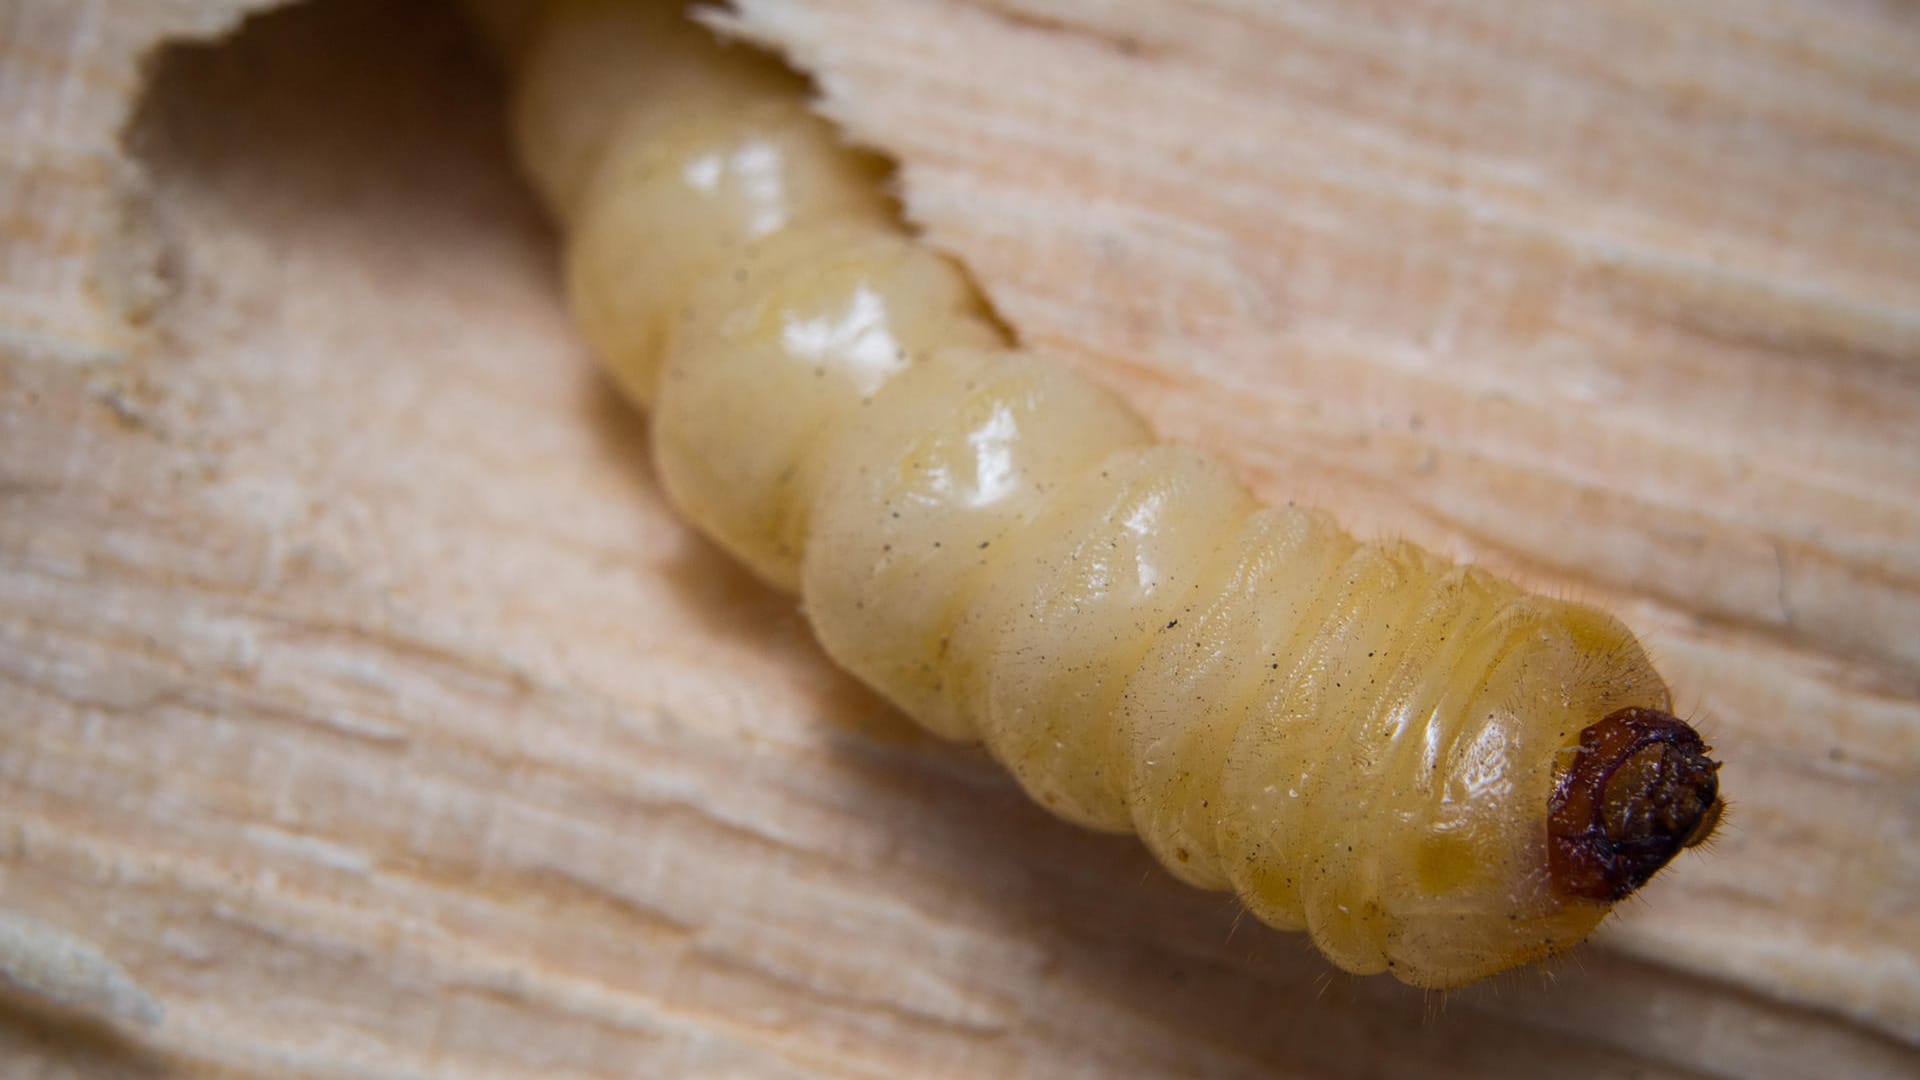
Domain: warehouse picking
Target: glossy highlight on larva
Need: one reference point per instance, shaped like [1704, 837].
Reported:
[1426, 768]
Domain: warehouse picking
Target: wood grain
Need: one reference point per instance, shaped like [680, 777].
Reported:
[362, 697]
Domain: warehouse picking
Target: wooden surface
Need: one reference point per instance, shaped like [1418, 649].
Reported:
[359, 694]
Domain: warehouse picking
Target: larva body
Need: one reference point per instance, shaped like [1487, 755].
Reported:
[1428, 769]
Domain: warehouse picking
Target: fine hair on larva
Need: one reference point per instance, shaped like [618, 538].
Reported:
[1426, 768]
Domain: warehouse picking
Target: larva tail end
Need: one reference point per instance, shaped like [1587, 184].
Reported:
[1640, 789]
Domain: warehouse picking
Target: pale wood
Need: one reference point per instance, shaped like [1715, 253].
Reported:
[362, 698]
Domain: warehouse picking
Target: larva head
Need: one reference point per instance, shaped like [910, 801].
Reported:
[1641, 788]
[1507, 860]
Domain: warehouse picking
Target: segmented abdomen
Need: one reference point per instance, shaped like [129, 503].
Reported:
[1358, 739]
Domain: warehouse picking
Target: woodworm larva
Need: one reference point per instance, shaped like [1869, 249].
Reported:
[1429, 770]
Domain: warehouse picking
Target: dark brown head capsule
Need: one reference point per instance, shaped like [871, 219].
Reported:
[1641, 788]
